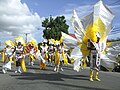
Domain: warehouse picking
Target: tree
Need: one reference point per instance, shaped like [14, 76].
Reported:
[53, 27]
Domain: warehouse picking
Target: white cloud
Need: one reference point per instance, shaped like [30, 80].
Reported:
[16, 19]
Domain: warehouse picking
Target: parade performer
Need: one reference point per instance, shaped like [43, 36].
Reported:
[19, 54]
[31, 49]
[8, 51]
[59, 59]
[39, 57]
[99, 20]
[44, 54]
[51, 51]
[57, 55]
[94, 58]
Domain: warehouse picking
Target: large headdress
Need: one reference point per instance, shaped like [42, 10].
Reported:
[51, 41]
[19, 39]
[57, 42]
[44, 40]
[9, 43]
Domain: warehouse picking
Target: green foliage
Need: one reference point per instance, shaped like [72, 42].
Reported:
[53, 27]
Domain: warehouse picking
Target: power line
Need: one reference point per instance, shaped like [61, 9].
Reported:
[116, 28]
[114, 33]
[116, 2]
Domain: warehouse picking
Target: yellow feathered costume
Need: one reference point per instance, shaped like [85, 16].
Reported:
[28, 49]
[44, 55]
[57, 55]
[98, 21]
[7, 43]
[20, 39]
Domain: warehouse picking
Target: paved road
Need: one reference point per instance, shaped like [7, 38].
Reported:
[36, 79]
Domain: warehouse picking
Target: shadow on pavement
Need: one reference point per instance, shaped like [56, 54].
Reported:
[49, 77]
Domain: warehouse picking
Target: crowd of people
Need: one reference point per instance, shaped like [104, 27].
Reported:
[49, 52]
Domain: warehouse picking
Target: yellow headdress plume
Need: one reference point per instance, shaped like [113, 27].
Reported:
[20, 39]
[9, 42]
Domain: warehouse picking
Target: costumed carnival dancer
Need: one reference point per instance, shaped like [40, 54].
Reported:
[51, 51]
[99, 20]
[94, 48]
[60, 57]
[19, 54]
[31, 49]
[8, 56]
[44, 54]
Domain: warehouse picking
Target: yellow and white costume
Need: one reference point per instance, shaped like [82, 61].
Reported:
[51, 52]
[8, 54]
[44, 55]
[59, 56]
[31, 49]
[98, 21]
[19, 54]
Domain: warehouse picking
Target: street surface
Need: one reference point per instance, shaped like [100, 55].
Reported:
[36, 79]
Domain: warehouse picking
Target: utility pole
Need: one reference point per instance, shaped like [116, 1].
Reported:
[26, 34]
[0, 45]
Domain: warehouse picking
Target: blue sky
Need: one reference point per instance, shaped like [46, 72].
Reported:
[18, 17]
[45, 8]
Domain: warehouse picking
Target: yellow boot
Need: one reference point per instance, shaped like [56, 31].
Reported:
[11, 58]
[96, 76]
[3, 56]
[84, 63]
[91, 75]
